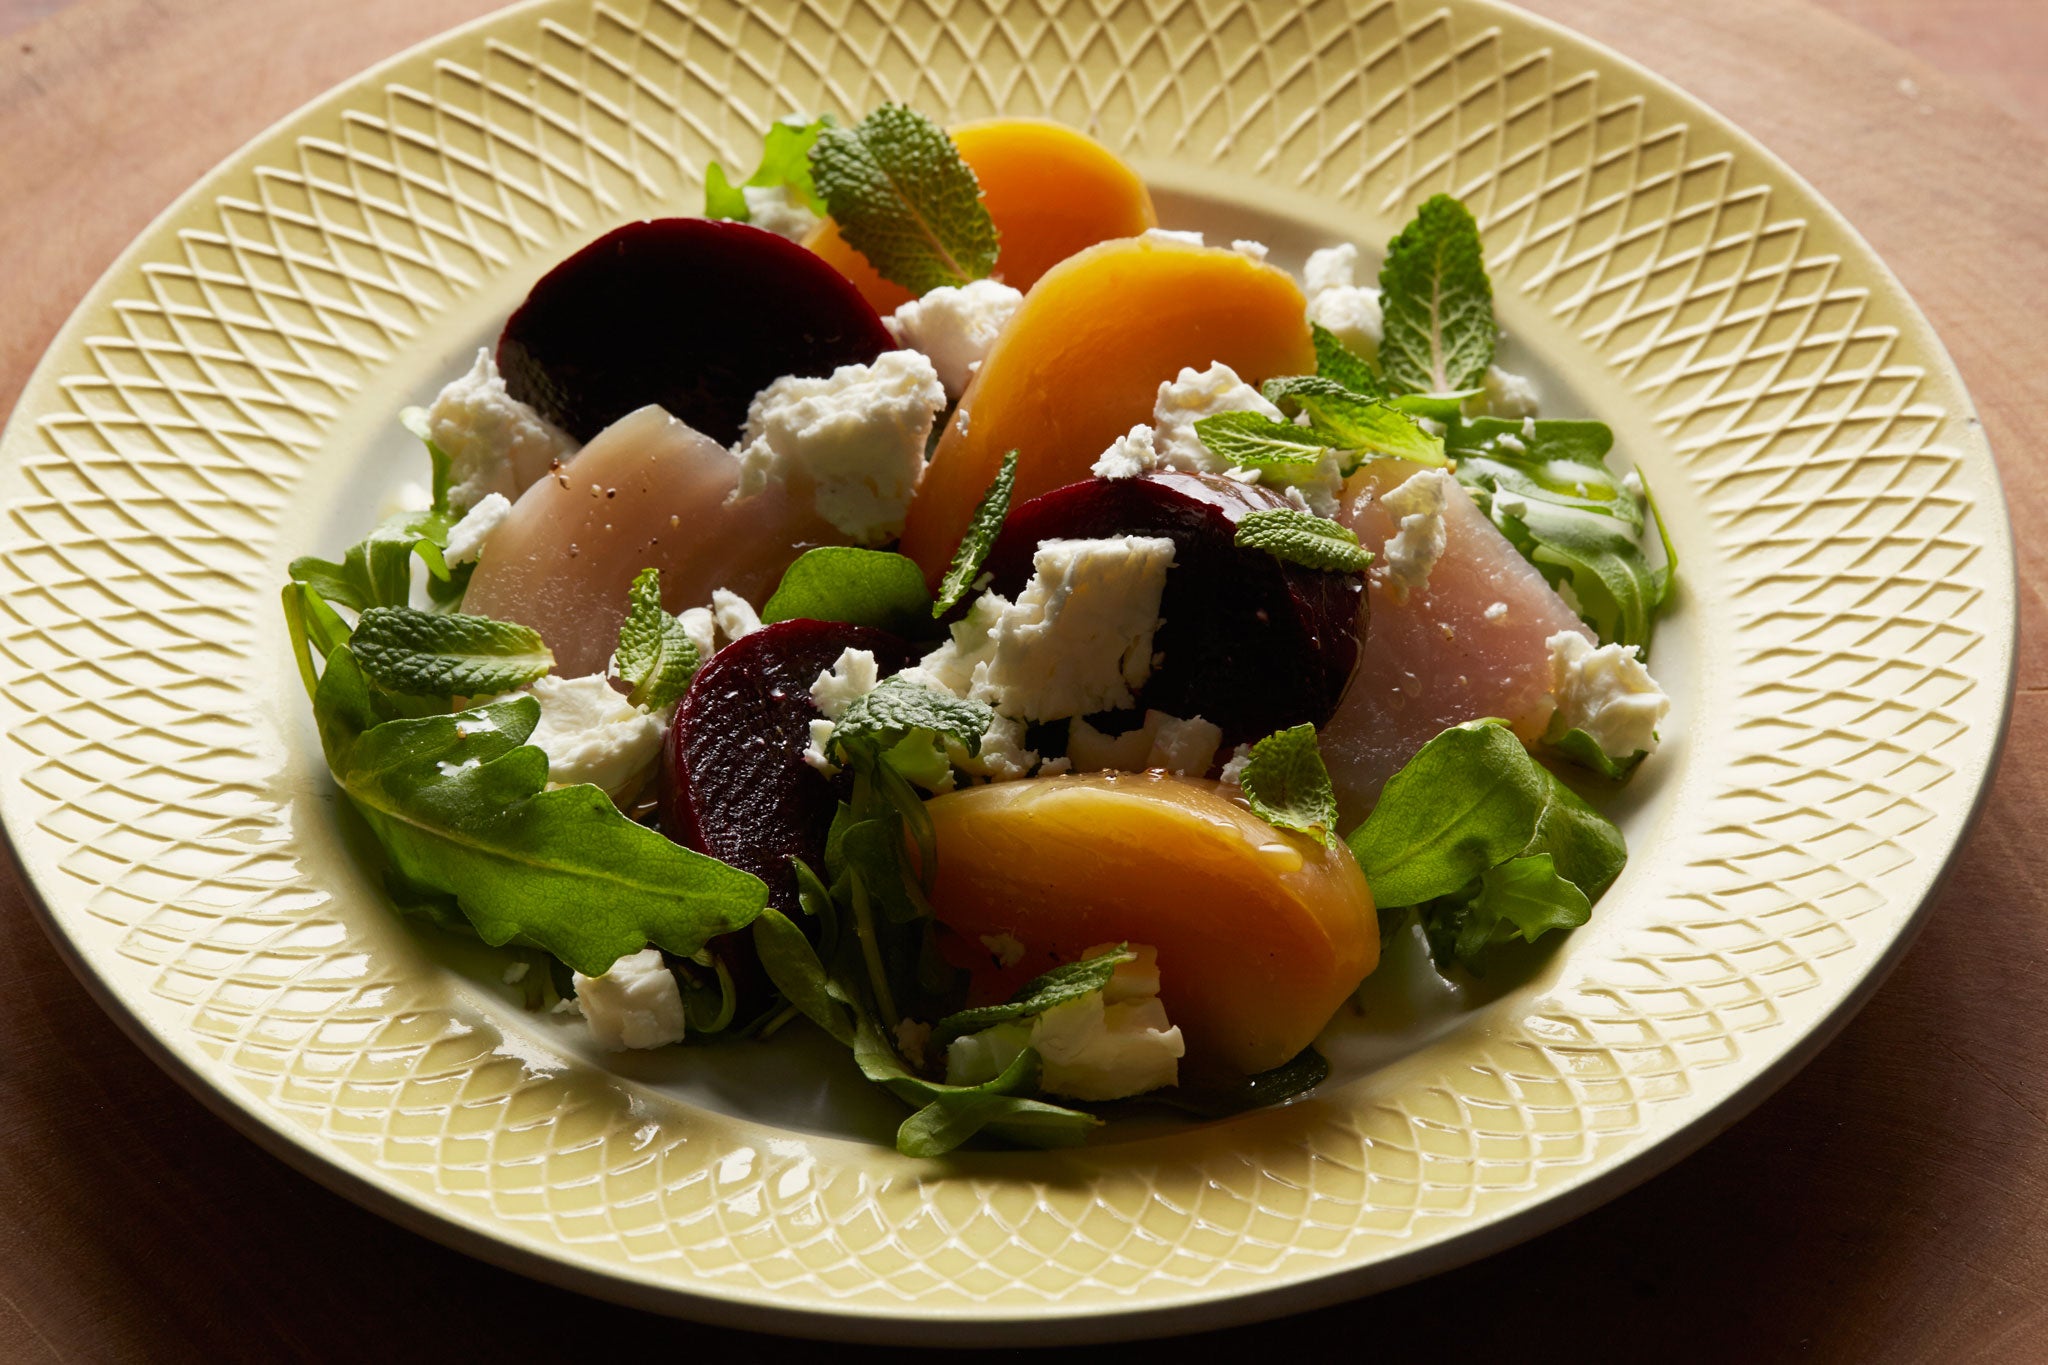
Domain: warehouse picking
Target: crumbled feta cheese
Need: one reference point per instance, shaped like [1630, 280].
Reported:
[1128, 456]
[636, 1004]
[1632, 484]
[855, 440]
[1336, 302]
[1178, 235]
[911, 1039]
[466, 537]
[1104, 1045]
[1418, 507]
[1512, 444]
[1004, 948]
[515, 973]
[852, 676]
[1184, 747]
[1509, 395]
[1189, 397]
[702, 627]
[591, 733]
[1606, 692]
[773, 208]
[1250, 250]
[1002, 757]
[1507, 504]
[1079, 637]
[954, 326]
[815, 751]
[494, 442]
[1233, 771]
[734, 615]
[1497, 612]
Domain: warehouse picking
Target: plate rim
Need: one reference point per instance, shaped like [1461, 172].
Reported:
[1192, 1310]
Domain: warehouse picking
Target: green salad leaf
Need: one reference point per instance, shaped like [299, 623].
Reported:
[428, 654]
[1436, 303]
[1547, 486]
[1353, 422]
[860, 587]
[1068, 981]
[461, 805]
[656, 656]
[982, 530]
[904, 198]
[785, 162]
[1286, 785]
[1486, 842]
[1303, 538]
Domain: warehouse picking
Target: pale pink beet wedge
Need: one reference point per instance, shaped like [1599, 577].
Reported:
[1468, 644]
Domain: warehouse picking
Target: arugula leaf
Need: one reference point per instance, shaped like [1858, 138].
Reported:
[1445, 408]
[426, 654]
[897, 709]
[1068, 981]
[1459, 831]
[1001, 1107]
[1339, 363]
[860, 587]
[656, 656]
[462, 806]
[1286, 785]
[1584, 750]
[1292, 1079]
[1352, 422]
[1297, 537]
[785, 161]
[1256, 441]
[1547, 486]
[904, 198]
[1436, 303]
[981, 535]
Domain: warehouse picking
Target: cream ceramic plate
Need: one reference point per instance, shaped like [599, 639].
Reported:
[224, 401]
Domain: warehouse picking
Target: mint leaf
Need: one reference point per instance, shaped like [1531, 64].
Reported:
[1470, 802]
[1068, 981]
[1353, 422]
[860, 587]
[982, 531]
[1445, 408]
[1287, 786]
[1303, 538]
[1256, 441]
[1339, 363]
[656, 657]
[461, 805]
[785, 161]
[1436, 303]
[896, 709]
[1547, 486]
[903, 197]
[427, 654]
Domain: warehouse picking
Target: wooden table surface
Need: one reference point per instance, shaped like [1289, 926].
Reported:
[1890, 1203]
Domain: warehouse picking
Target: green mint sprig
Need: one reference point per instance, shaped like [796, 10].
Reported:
[1068, 981]
[1286, 785]
[1436, 303]
[428, 654]
[1353, 422]
[982, 531]
[656, 656]
[904, 198]
[1303, 538]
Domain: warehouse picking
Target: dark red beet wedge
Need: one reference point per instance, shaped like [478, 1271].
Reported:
[695, 315]
[1250, 644]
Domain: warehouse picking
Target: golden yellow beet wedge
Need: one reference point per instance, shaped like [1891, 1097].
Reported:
[1261, 934]
[1082, 361]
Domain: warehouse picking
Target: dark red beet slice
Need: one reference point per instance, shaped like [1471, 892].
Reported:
[1250, 644]
[695, 315]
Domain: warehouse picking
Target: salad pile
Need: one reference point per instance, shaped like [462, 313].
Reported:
[926, 601]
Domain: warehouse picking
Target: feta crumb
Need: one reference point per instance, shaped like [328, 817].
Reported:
[1606, 692]
[515, 973]
[1079, 637]
[636, 1004]
[854, 440]
[1528, 428]
[1094, 751]
[466, 537]
[494, 442]
[1509, 395]
[1250, 250]
[702, 627]
[1003, 756]
[1507, 504]
[1183, 747]
[911, 1038]
[1337, 302]
[954, 326]
[734, 615]
[1632, 484]
[821, 741]
[852, 676]
[1128, 456]
[1004, 948]
[773, 209]
[1056, 767]
[1181, 236]
[1512, 444]
[1104, 1045]
[591, 733]
[1233, 771]
[1497, 612]
[1188, 398]
[1418, 504]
